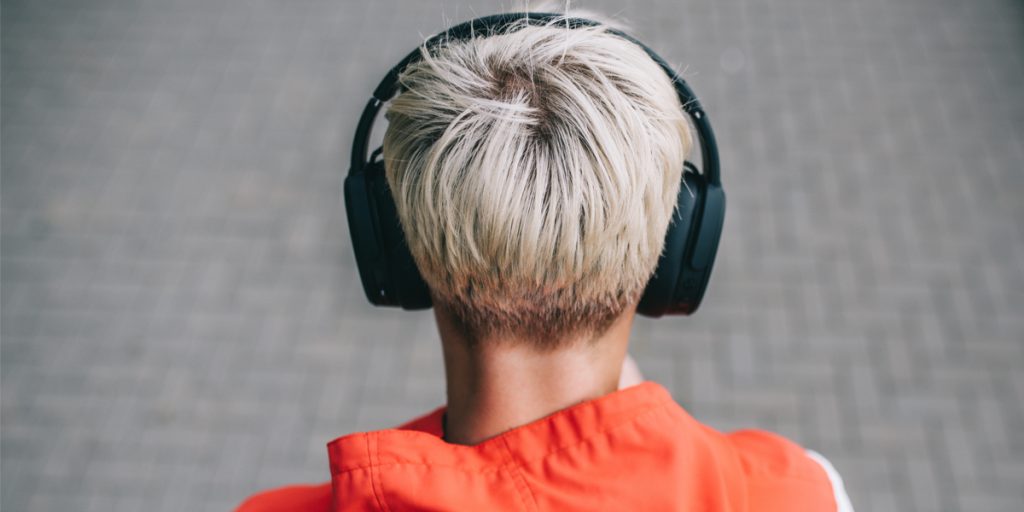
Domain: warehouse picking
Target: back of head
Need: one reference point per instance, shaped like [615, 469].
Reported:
[535, 171]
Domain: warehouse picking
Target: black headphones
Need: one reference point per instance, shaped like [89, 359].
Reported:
[387, 269]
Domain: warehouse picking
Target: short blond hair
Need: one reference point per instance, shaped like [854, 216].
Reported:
[535, 171]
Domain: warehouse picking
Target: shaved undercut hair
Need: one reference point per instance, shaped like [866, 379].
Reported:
[535, 171]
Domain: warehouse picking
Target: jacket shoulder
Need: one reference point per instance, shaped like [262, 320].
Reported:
[293, 498]
[780, 474]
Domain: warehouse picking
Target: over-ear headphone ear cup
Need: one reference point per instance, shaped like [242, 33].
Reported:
[389, 273]
[691, 242]
[693, 281]
[366, 240]
[405, 282]
[659, 296]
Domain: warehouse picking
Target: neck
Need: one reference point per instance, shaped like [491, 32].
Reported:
[495, 385]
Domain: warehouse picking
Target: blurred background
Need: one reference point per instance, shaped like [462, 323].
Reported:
[183, 325]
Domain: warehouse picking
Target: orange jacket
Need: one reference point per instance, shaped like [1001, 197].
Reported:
[634, 449]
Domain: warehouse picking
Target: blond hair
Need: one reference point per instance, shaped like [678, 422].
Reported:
[534, 172]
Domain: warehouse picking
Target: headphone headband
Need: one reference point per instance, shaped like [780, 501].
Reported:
[486, 26]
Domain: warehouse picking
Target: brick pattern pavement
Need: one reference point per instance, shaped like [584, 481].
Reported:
[181, 318]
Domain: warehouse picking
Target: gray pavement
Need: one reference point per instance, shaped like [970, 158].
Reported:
[182, 322]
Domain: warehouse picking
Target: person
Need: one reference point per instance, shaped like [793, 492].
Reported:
[535, 171]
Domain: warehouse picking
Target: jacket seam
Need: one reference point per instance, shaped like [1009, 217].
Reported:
[371, 451]
[521, 482]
